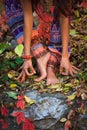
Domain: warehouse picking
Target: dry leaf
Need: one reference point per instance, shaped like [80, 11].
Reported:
[68, 85]
[63, 120]
[29, 100]
[59, 89]
[12, 74]
[68, 125]
[72, 97]
[71, 114]
[84, 96]
[55, 86]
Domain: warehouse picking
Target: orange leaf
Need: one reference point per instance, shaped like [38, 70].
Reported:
[71, 114]
[68, 125]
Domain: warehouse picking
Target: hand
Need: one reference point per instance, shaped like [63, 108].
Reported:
[26, 65]
[67, 68]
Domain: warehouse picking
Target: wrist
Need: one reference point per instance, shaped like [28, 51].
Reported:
[27, 57]
[65, 55]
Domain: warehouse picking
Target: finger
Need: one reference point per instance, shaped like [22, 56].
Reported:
[71, 72]
[33, 70]
[20, 75]
[65, 72]
[27, 73]
[75, 68]
[75, 71]
[23, 77]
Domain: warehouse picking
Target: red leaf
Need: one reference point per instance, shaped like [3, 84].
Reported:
[4, 124]
[68, 125]
[20, 118]
[20, 97]
[28, 125]
[4, 111]
[14, 114]
[84, 4]
[20, 104]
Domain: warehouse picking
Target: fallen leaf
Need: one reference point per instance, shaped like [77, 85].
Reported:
[73, 32]
[84, 96]
[55, 86]
[72, 97]
[20, 104]
[19, 50]
[63, 120]
[12, 95]
[13, 86]
[59, 89]
[3, 47]
[66, 89]
[71, 114]
[11, 74]
[68, 125]
[68, 85]
[29, 100]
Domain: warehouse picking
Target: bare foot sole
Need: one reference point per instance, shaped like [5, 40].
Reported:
[51, 77]
[42, 66]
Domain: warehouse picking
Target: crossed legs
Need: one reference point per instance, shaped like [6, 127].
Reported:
[46, 62]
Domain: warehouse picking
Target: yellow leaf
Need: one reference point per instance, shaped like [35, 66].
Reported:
[13, 86]
[29, 100]
[55, 86]
[68, 85]
[59, 89]
[72, 97]
[63, 120]
[11, 74]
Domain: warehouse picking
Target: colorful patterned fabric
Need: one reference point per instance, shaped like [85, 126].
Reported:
[15, 20]
[55, 44]
[38, 50]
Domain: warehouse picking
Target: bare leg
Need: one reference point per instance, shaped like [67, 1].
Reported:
[42, 66]
[51, 76]
[42, 56]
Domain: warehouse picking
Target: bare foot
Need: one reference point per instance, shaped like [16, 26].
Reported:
[42, 66]
[51, 77]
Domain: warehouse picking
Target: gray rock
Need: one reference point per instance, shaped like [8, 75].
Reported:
[47, 111]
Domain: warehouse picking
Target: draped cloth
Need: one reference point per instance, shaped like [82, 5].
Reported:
[15, 20]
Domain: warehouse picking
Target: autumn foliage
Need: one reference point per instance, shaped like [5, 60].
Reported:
[3, 113]
[18, 113]
[27, 124]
